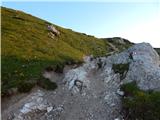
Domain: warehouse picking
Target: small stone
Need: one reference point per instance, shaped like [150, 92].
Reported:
[119, 92]
[49, 109]
[117, 119]
[84, 94]
[106, 97]
[41, 107]
[53, 30]
[39, 99]
[78, 83]
[113, 104]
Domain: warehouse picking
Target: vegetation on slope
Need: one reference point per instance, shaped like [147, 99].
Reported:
[122, 69]
[140, 105]
[120, 43]
[158, 50]
[27, 48]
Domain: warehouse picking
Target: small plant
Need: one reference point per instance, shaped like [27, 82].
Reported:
[46, 84]
[140, 105]
[131, 56]
[99, 63]
[122, 69]
[130, 88]
[158, 50]
[25, 87]
[57, 68]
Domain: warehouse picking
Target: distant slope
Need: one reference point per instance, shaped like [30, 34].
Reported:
[119, 43]
[27, 48]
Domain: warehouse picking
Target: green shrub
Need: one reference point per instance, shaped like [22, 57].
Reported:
[130, 56]
[122, 69]
[130, 88]
[99, 63]
[157, 50]
[46, 84]
[140, 105]
[25, 87]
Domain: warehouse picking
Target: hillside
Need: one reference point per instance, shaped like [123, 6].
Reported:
[27, 48]
[86, 78]
[122, 86]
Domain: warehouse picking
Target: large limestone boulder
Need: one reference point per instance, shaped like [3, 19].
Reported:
[144, 65]
[144, 68]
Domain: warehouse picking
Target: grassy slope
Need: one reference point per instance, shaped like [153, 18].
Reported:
[27, 49]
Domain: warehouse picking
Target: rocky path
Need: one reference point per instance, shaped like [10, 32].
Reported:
[90, 91]
[63, 104]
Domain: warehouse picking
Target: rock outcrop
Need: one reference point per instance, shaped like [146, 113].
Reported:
[92, 90]
[53, 31]
[144, 69]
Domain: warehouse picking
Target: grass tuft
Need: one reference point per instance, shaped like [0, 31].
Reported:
[46, 84]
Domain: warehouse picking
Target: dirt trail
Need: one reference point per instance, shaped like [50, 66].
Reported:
[89, 104]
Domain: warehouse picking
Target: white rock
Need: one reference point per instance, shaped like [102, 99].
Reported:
[25, 110]
[119, 92]
[73, 75]
[49, 109]
[39, 99]
[117, 119]
[53, 29]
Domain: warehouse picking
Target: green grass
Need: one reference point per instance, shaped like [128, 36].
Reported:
[46, 84]
[140, 105]
[118, 45]
[27, 49]
[122, 69]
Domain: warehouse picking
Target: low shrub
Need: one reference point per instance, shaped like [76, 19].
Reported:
[140, 105]
[25, 87]
[157, 50]
[46, 84]
[122, 69]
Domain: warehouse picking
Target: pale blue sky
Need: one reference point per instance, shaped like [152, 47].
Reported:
[137, 22]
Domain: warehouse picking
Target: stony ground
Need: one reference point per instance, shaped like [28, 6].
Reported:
[90, 91]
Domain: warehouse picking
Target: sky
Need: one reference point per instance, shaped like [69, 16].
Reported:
[135, 21]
